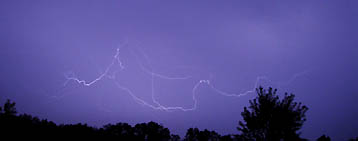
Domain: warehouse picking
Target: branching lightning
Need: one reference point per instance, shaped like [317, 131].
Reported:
[149, 70]
[106, 72]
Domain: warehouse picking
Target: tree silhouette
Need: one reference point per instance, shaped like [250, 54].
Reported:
[194, 134]
[15, 126]
[324, 138]
[269, 118]
[151, 132]
[121, 131]
[9, 108]
[175, 138]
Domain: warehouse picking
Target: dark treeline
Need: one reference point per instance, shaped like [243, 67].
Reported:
[267, 118]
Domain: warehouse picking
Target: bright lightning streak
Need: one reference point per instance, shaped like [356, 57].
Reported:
[114, 61]
[236, 94]
[137, 99]
[158, 105]
[294, 77]
[153, 75]
[207, 82]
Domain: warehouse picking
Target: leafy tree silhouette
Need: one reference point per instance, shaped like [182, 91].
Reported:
[269, 118]
[151, 132]
[121, 131]
[175, 138]
[9, 108]
[194, 134]
[13, 125]
[324, 138]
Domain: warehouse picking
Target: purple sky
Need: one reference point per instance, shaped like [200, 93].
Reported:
[304, 47]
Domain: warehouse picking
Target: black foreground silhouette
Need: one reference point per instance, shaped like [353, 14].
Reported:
[266, 119]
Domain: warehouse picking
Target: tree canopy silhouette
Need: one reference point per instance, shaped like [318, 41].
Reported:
[324, 138]
[269, 118]
[194, 134]
[13, 125]
[9, 108]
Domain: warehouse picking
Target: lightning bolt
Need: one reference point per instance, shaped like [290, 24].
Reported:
[149, 70]
[106, 72]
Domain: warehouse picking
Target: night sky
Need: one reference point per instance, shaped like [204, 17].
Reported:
[168, 51]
